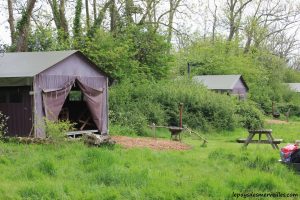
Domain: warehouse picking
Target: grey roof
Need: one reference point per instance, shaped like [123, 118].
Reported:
[294, 86]
[29, 64]
[219, 82]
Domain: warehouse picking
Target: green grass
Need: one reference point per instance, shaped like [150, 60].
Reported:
[75, 171]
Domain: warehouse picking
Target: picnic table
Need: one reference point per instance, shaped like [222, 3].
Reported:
[267, 132]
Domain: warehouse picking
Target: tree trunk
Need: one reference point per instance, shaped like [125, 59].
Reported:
[234, 16]
[173, 8]
[62, 14]
[23, 27]
[214, 24]
[87, 14]
[170, 25]
[95, 9]
[248, 44]
[11, 21]
[98, 21]
[76, 22]
[112, 10]
[128, 11]
[59, 17]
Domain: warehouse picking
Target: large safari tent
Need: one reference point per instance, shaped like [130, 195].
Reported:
[53, 85]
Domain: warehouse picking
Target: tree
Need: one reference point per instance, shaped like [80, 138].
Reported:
[11, 21]
[234, 11]
[270, 21]
[23, 27]
[59, 17]
[172, 10]
[77, 24]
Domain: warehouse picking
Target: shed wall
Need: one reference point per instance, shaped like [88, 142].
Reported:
[239, 88]
[20, 114]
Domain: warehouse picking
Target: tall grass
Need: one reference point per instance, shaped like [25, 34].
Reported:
[75, 171]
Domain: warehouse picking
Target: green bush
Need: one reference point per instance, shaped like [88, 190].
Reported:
[57, 130]
[291, 108]
[249, 115]
[3, 124]
[137, 105]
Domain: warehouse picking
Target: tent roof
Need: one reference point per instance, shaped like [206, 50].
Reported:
[29, 64]
[294, 86]
[219, 82]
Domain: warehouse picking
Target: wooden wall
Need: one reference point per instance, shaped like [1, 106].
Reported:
[18, 108]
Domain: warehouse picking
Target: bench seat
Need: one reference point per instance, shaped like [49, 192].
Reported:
[275, 141]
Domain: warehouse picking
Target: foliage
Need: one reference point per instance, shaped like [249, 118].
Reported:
[138, 105]
[290, 109]
[149, 49]
[264, 72]
[249, 116]
[57, 130]
[137, 52]
[111, 55]
[3, 124]
[77, 24]
[23, 21]
[41, 40]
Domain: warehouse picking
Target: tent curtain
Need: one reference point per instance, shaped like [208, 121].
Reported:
[53, 100]
[94, 101]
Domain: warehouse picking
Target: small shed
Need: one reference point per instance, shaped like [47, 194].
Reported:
[53, 85]
[230, 84]
[294, 87]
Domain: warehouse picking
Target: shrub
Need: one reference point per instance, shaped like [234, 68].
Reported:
[292, 108]
[3, 124]
[249, 115]
[137, 105]
[57, 130]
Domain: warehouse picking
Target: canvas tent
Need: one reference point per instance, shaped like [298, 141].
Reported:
[38, 85]
[294, 87]
[231, 84]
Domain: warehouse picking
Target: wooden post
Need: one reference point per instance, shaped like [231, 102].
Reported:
[154, 130]
[180, 114]
[273, 109]
[287, 114]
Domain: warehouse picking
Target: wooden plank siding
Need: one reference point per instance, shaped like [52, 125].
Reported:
[20, 113]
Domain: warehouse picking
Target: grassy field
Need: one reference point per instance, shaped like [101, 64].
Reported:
[72, 170]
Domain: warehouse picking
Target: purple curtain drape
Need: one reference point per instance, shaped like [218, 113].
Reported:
[93, 99]
[53, 101]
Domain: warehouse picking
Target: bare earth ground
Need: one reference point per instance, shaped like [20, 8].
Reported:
[276, 121]
[157, 144]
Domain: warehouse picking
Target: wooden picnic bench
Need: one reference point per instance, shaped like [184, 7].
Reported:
[268, 132]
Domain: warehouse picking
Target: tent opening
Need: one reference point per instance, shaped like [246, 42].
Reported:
[75, 110]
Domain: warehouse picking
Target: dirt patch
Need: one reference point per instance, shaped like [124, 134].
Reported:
[157, 144]
[276, 121]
